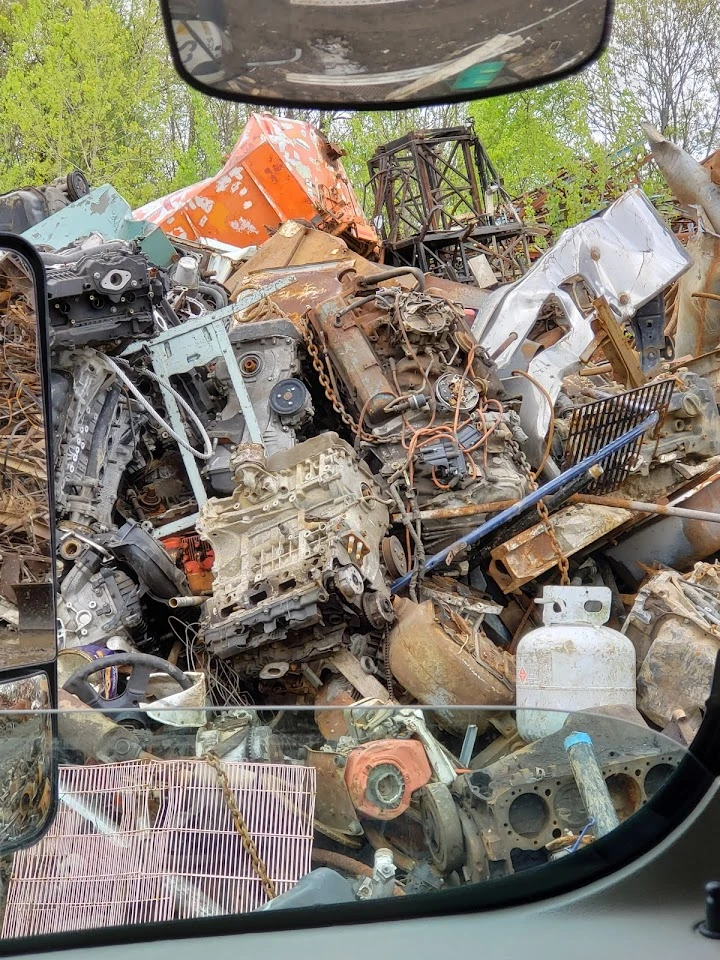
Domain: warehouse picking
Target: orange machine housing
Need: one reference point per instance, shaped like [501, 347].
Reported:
[196, 557]
[381, 776]
[278, 170]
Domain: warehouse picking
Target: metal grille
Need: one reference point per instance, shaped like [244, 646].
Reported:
[596, 424]
[139, 842]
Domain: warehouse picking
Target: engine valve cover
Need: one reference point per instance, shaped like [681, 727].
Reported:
[100, 297]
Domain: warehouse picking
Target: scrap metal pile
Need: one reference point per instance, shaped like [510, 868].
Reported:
[299, 477]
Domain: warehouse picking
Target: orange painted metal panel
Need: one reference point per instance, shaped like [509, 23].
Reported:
[279, 170]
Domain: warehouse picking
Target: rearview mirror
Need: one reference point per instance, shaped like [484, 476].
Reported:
[378, 54]
[27, 569]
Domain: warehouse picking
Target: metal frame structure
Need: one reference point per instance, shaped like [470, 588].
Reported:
[179, 350]
[441, 203]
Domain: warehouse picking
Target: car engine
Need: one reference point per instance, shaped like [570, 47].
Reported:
[425, 399]
[297, 548]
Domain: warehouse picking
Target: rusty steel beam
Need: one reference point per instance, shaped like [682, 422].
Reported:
[622, 503]
[454, 513]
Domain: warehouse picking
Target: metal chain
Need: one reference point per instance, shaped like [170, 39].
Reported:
[241, 826]
[562, 560]
[389, 679]
[319, 367]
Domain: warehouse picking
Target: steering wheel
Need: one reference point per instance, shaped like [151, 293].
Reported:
[136, 688]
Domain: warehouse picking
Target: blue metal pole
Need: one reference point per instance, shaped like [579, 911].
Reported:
[557, 483]
[593, 788]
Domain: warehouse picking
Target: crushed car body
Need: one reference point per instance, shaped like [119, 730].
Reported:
[279, 170]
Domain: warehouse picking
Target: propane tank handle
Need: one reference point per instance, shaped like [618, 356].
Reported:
[575, 604]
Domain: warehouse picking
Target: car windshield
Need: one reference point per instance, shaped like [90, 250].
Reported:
[359, 535]
[216, 813]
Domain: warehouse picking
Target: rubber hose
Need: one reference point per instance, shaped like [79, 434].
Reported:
[148, 407]
[218, 296]
[100, 433]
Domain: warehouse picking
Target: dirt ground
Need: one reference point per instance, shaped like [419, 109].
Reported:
[26, 647]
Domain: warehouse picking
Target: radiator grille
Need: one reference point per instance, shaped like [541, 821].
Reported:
[596, 424]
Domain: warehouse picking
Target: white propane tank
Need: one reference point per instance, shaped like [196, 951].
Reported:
[572, 662]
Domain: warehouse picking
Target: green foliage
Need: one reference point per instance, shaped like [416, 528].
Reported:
[89, 84]
[202, 155]
[82, 88]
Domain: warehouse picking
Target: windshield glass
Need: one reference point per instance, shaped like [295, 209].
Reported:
[359, 472]
[208, 813]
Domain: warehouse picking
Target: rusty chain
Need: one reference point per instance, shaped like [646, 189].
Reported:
[389, 680]
[562, 560]
[319, 367]
[241, 827]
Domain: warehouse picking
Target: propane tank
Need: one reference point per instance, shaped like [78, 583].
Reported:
[572, 662]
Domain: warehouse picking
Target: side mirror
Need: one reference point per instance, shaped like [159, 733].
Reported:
[28, 648]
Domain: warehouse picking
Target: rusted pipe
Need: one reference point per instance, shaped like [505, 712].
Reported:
[373, 279]
[511, 338]
[474, 509]
[469, 510]
[705, 296]
[338, 861]
[661, 509]
[377, 841]
[596, 371]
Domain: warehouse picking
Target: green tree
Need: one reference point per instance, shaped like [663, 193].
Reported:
[662, 66]
[197, 149]
[82, 86]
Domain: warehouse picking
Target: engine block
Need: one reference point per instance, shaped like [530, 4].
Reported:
[297, 545]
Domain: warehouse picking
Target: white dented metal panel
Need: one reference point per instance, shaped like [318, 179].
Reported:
[625, 254]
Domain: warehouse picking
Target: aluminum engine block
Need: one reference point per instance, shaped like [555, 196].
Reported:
[296, 545]
[267, 354]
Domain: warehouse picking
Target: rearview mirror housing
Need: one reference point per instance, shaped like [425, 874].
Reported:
[28, 633]
[378, 54]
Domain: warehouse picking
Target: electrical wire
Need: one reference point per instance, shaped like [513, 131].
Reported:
[223, 683]
[147, 406]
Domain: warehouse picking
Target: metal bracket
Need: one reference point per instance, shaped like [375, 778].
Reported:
[198, 343]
